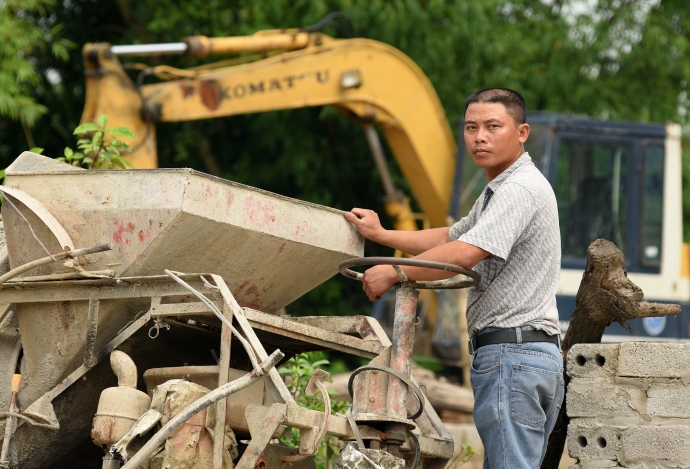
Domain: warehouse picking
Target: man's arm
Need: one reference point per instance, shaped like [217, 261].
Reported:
[378, 280]
[412, 242]
[431, 245]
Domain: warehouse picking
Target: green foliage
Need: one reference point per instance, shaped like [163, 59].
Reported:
[103, 150]
[26, 29]
[298, 370]
[462, 457]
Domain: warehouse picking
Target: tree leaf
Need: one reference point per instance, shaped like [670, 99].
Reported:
[38, 150]
[68, 152]
[102, 120]
[97, 139]
[88, 127]
[121, 131]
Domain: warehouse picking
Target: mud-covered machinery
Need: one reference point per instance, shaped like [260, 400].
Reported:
[97, 273]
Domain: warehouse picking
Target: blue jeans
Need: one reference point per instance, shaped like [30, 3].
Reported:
[518, 391]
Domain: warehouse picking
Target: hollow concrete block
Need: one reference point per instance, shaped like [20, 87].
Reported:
[669, 400]
[589, 441]
[592, 360]
[607, 398]
[654, 360]
[656, 446]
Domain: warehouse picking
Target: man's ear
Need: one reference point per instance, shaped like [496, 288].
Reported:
[523, 132]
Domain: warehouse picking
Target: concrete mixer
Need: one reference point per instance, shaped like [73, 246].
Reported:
[178, 280]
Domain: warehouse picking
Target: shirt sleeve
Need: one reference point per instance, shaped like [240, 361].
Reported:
[500, 225]
[461, 227]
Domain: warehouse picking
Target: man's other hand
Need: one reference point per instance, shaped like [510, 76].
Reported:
[366, 221]
[378, 280]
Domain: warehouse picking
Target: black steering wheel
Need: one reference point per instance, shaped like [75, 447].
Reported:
[474, 279]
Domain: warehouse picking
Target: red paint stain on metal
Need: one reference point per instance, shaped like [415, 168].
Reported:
[301, 231]
[281, 248]
[207, 190]
[252, 304]
[265, 289]
[259, 212]
[144, 236]
[121, 230]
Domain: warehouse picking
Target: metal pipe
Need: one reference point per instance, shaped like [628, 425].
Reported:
[11, 421]
[401, 350]
[124, 368]
[401, 357]
[379, 158]
[171, 48]
[138, 460]
[199, 46]
[54, 258]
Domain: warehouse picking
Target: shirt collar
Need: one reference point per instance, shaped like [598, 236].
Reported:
[500, 179]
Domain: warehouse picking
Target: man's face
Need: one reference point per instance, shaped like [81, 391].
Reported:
[493, 138]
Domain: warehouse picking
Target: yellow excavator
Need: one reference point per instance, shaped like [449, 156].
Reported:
[364, 79]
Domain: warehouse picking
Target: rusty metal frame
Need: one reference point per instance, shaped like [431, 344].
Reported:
[223, 373]
[315, 335]
[357, 335]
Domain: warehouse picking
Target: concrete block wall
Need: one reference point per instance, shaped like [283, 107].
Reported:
[629, 405]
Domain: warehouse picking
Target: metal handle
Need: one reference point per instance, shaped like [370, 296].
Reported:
[474, 280]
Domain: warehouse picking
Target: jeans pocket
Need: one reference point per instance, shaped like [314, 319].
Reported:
[532, 394]
[484, 363]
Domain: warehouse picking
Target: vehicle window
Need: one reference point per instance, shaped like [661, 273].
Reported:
[652, 205]
[535, 143]
[592, 193]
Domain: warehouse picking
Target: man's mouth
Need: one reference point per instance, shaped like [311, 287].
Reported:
[481, 151]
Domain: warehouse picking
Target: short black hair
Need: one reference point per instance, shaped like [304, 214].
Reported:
[512, 100]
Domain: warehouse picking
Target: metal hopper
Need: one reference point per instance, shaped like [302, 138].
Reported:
[270, 249]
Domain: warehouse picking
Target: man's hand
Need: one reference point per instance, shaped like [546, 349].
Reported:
[378, 280]
[367, 223]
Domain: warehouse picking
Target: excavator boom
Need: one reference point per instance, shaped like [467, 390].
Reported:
[367, 79]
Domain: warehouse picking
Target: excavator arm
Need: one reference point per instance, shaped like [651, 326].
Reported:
[364, 78]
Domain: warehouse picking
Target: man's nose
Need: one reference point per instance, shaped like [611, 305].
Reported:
[480, 136]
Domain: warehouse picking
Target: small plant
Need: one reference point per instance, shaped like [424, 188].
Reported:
[103, 150]
[462, 457]
[298, 370]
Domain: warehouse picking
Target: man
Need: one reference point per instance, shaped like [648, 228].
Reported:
[511, 238]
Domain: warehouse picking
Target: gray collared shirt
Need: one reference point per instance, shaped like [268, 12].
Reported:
[516, 220]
